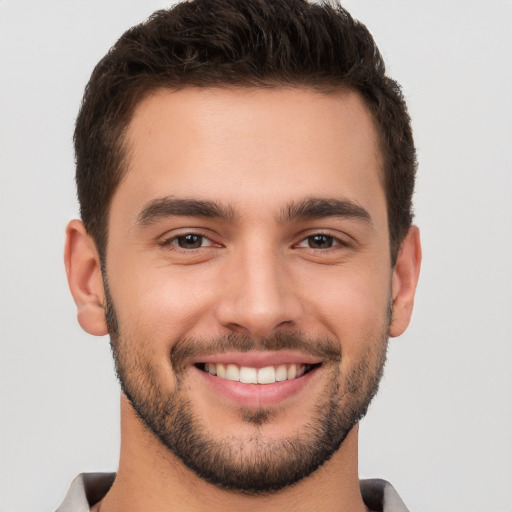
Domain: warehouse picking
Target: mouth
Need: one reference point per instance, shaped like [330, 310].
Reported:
[257, 379]
[253, 375]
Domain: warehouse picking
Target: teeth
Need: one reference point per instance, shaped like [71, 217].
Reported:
[221, 371]
[292, 372]
[248, 375]
[232, 372]
[266, 375]
[281, 373]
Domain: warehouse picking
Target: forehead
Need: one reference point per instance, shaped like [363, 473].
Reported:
[251, 147]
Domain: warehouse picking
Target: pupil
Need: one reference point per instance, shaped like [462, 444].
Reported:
[320, 241]
[190, 241]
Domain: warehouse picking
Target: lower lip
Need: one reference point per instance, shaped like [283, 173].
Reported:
[256, 395]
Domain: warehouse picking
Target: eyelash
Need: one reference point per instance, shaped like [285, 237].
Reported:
[174, 241]
[335, 241]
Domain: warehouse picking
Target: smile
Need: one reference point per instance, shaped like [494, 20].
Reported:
[251, 375]
[257, 379]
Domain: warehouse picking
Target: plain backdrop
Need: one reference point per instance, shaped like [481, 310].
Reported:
[441, 428]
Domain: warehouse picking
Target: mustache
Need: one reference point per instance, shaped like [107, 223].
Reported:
[187, 348]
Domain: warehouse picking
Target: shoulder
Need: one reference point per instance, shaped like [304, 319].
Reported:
[380, 496]
[86, 490]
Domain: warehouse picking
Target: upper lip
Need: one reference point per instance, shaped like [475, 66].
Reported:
[257, 359]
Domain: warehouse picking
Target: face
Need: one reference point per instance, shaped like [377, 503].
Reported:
[249, 278]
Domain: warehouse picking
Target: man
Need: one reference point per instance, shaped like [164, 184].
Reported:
[245, 172]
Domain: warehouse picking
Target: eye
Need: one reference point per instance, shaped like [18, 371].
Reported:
[188, 241]
[320, 241]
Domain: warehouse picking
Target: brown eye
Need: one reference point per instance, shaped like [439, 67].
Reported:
[190, 241]
[320, 241]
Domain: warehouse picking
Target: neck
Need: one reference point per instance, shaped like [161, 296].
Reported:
[150, 478]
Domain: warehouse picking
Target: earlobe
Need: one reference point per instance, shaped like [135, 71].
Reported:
[404, 281]
[83, 271]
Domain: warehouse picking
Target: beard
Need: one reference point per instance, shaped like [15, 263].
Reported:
[254, 464]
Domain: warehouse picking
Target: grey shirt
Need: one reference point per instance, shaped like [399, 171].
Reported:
[89, 488]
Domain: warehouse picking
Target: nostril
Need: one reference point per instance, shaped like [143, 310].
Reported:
[240, 329]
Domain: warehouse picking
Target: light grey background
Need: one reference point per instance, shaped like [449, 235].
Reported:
[441, 428]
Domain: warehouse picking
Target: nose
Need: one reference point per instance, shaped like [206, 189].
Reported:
[257, 296]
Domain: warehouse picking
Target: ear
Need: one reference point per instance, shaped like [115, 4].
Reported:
[404, 281]
[83, 270]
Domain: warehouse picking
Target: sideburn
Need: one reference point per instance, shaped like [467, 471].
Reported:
[108, 307]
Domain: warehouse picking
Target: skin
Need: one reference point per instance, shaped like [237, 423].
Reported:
[254, 152]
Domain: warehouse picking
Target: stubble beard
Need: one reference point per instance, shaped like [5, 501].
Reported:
[257, 465]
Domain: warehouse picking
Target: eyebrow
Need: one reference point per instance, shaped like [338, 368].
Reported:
[173, 207]
[315, 208]
[310, 208]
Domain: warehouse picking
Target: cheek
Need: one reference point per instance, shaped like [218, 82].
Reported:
[352, 304]
[162, 304]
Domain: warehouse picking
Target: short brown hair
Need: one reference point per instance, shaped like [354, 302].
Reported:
[238, 43]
